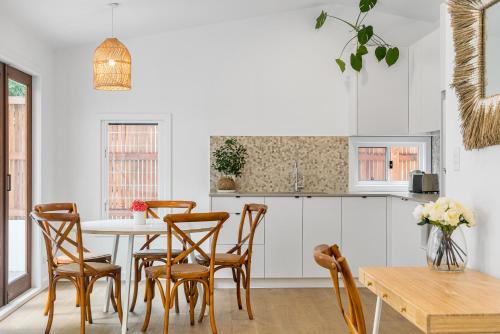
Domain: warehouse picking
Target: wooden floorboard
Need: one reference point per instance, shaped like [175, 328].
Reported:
[276, 311]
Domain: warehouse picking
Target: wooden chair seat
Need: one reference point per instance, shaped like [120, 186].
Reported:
[179, 271]
[87, 257]
[222, 259]
[74, 268]
[155, 253]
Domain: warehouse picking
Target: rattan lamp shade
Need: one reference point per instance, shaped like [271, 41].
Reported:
[112, 66]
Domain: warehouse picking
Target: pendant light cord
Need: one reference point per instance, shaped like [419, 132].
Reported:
[113, 20]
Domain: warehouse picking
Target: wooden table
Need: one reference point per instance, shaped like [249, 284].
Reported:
[126, 227]
[437, 302]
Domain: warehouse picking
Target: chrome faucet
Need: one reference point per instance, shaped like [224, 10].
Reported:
[297, 187]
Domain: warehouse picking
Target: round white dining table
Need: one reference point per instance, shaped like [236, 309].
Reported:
[127, 227]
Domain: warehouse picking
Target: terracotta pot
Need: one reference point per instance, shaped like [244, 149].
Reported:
[226, 183]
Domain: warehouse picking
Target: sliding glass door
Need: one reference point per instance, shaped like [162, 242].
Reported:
[15, 191]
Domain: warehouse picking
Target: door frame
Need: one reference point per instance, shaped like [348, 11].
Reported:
[22, 284]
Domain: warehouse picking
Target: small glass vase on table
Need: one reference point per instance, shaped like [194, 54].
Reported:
[446, 246]
[139, 209]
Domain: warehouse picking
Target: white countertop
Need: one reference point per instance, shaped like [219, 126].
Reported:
[404, 195]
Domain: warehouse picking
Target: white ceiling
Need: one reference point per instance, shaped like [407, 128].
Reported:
[70, 22]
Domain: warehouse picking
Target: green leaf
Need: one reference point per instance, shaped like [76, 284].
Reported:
[356, 62]
[422, 223]
[364, 34]
[362, 50]
[392, 56]
[321, 19]
[341, 64]
[380, 52]
[366, 5]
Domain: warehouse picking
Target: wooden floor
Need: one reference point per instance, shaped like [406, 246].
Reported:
[276, 311]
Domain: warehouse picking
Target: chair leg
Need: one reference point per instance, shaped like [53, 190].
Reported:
[87, 301]
[118, 285]
[82, 300]
[137, 278]
[166, 307]
[112, 297]
[203, 304]
[238, 289]
[192, 287]
[49, 298]
[177, 300]
[212, 309]
[247, 295]
[50, 305]
[149, 301]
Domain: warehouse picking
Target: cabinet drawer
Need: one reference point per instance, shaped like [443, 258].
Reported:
[233, 204]
[229, 232]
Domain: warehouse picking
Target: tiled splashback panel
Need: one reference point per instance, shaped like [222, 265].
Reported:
[323, 163]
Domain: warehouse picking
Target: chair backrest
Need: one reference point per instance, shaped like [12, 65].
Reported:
[177, 222]
[152, 212]
[58, 222]
[251, 216]
[331, 258]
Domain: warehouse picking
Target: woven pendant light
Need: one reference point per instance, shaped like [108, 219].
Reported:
[112, 63]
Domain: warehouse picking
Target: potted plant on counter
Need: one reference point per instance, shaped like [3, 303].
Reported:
[446, 247]
[139, 209]
[229, 160]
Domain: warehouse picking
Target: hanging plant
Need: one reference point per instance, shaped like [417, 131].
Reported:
[365, 37]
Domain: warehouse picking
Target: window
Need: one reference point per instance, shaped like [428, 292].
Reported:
[131, 166]
[385, 163]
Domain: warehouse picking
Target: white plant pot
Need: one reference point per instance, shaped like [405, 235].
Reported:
[140, 217]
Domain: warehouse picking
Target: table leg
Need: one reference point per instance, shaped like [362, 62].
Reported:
[110, 282]
[378, 312]
[128, 275]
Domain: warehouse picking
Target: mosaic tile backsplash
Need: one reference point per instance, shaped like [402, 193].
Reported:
[323, 163]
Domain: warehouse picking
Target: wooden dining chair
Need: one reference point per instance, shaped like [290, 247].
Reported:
[329, 257]
[178, 272]
[61, 259]
[239, 258]
[147, 256]
[57, 227]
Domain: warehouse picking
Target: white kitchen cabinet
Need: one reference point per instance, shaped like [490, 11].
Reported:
[382, 97]
[322, 224]
[425, 85]
[234, 205]
[283, 231]
[407, 239]
[364, 231]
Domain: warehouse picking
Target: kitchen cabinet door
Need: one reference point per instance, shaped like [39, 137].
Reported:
[408, 240]
[364, 231]
[383, 97]
[425, 90]
[321, 224]
[234, 205]
[283, 231]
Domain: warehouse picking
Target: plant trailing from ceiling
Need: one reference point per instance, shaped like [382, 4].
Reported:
[365, 37]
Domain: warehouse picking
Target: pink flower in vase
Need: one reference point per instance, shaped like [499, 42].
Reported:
[138, 205]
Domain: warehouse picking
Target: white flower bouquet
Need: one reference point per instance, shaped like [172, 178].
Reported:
[446, 250]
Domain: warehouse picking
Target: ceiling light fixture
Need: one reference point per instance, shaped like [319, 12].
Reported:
[112, 62]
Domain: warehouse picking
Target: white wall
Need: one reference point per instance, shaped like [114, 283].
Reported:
[26, 52]
[475, 181]
[272, 75]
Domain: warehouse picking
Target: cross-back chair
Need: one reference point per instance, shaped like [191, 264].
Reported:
[239, 258]
[176, 271]
[147, 256]
[330, 257]
[57, 228]
[60, 259]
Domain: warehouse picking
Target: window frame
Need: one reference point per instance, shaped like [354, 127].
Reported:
[164, 153]
[425, 160]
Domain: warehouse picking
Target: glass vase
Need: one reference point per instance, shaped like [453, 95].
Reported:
[446, 250]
